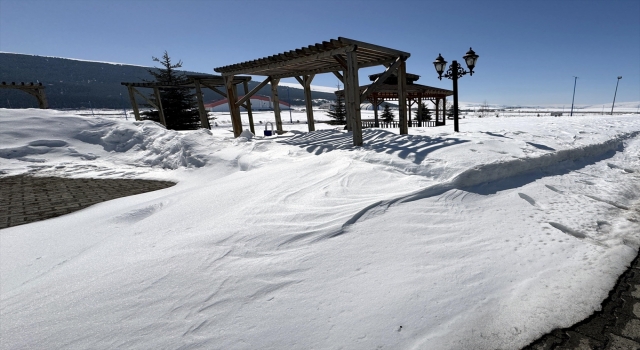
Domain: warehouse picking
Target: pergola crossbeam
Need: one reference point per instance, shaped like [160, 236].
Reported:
[35, 90]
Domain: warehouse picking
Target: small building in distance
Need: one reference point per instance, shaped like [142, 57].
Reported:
[258, 103]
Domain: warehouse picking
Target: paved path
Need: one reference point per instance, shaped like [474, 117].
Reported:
[616, 326]
[25, 199]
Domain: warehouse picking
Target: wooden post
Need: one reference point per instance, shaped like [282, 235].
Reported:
[353, 99]
[308, 102]
[409, 112]
[402, 98]
[437, 111]
[156, 92]
[42, 98]
[347, 91]
[420, 121]
[375, 112]
[204, 117]
[236, 120]
[134, 104]
[444, 111]
[245, 85]
[276, 105]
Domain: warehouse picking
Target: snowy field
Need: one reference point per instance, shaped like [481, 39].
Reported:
[483, 239]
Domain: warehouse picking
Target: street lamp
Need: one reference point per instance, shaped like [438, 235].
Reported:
[455, 71]
[614, 94]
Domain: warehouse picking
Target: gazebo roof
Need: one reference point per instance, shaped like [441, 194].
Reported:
[323, 57]
[389, 88]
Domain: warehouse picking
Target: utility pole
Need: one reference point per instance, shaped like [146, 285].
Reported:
[574, 93]
[614, 94]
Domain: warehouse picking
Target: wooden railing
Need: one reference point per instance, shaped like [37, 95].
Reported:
[395, 124]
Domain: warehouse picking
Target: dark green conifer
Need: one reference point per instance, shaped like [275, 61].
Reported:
[179, 104]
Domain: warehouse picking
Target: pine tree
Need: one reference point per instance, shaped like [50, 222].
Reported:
[339, 114]
[179, 104]
[426, 113]
[387, 115]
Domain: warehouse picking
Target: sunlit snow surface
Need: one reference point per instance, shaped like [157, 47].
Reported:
[482, 239]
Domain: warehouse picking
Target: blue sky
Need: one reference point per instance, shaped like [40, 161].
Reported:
[529, 50]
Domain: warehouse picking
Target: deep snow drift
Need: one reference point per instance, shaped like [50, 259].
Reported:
[481, 239]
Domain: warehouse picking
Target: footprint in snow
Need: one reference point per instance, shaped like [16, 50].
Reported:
[527, 198]
[554, 189]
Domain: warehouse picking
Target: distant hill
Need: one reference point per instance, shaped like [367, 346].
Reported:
[82, 84]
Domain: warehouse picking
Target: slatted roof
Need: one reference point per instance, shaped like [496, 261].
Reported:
[205, 79]
[324, 57]
[390, 91]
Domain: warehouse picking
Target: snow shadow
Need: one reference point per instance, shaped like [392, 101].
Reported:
[562, 167]
[411, 147]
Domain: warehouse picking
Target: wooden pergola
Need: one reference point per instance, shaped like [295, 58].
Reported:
[415, 93]
[35, 90]
[343, 57]
[194, 81]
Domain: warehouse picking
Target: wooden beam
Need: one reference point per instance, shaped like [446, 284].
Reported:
[234, 110]
[214, 89]
[245, 85]
[204, 117]
[375, 47]
[145, 98]
[339, 76]
[380, 80]
[402, 98]
[156, 92]
[308, 101]
[300, 80]
[328, 69]
[290, 62]
[353, 99]
[253, 91]
[341, 61]
[276, 104]
[134, 104]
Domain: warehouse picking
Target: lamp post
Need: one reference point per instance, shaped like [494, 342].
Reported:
[574, 94]
[455, 71]
[614, 94]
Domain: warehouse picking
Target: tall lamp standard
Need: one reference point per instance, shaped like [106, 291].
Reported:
[455, 71]
[614, 94]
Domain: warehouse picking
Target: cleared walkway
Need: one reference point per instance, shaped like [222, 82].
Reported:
[25, 199]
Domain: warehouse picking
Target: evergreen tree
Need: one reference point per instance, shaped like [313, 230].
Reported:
[426, 113]
[450, 110]
[387, 115]
[339, 114]
[179, 104]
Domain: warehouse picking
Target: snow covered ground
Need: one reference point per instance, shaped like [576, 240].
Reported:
[482, 239]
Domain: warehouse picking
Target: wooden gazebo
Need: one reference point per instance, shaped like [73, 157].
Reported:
[343, 57]
[194, 81]
[415, 93]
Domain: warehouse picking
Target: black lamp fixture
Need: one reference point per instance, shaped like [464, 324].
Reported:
[454, 72]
